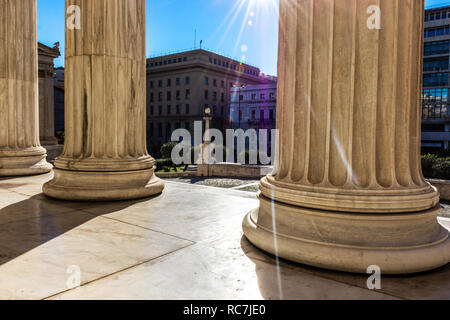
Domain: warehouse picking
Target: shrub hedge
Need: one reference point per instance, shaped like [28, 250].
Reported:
[436, 167]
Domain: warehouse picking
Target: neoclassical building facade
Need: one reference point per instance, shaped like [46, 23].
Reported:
[347, 191]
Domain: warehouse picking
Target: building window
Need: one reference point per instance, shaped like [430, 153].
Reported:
[169, 109]
[263, 96]
[437, 64]
[272, 96]
[168, 130]
[169, 82]
[187, 109]
[178, 97]
[222, 97]
[240, 115]
[187, 125]
[271, 115]
[215, 82]
[160, 83]
[160, 130]
[215, 96]
[169, 95]
[185, 59]
[178, 109]
[151, 110]
[160, 110]
[261, 115]
[253, 114]
[435, 103]
[206, 94]
[188, 80]
[437, 32]
[435, 79]
[160, 96]
[241, 97]
[152, 129]
[178, 81]
[152, 84]
[222, 84]
[206, 80]
[188, 94]
[437, 47]
[253, 96]
[152, 96]
[222, 109]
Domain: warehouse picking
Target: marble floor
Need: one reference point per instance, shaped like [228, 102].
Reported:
[184, 244]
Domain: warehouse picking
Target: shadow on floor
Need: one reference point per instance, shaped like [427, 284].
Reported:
[280, 282]
[27, 224]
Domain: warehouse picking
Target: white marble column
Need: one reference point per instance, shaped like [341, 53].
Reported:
[20, 150]
[105, 155]
[348, 191]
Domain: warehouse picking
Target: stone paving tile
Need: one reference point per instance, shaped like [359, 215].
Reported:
[36, 254]
[210, 215]
[201, 272]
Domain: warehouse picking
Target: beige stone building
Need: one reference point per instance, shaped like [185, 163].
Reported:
[46, 74]
[180, 86]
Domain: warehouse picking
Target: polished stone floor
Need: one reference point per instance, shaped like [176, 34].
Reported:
[185, 244]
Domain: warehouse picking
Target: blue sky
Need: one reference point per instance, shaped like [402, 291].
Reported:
[243, 29]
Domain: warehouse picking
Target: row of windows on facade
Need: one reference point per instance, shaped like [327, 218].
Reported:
[187, 80]
[262, 115]
[436, 64]
[437, 47]
[262, 96]
[166, 62]
[436, 32]
[435, 79]
[437, 15]
[179, 107]
[169, 128]
[187, 96]
[233, 66]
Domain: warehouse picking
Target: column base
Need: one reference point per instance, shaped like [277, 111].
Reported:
[350, 242]
[26, 162]
[103, 186]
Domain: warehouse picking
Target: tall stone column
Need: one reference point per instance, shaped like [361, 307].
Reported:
[105, 155]
[348, 190]
[20, 150]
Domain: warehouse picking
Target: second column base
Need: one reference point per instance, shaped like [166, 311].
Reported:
[397, 243]
[103, 186]
[26, 162]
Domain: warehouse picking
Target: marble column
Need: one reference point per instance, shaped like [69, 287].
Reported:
[105, 155]
[20, 150]
[348, 191]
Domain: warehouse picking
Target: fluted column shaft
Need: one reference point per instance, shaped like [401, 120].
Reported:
[347, 191]
[105, 100]
[350, 107]
[20, 150]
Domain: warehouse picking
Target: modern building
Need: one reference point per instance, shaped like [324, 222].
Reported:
[254, 106]
[180, 86]
[436, 85]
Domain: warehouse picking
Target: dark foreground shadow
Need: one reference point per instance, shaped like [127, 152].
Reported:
[293, 281]
[27, 224]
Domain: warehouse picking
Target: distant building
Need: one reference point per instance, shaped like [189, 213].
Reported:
[435, 103]
[46, 73]
[254, 106]
[180, 86]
